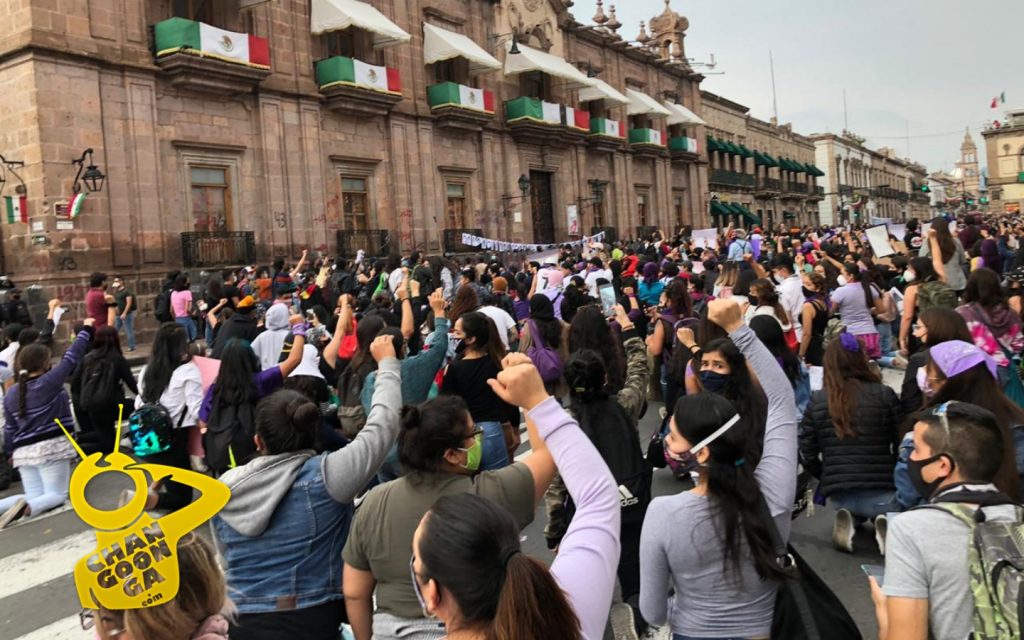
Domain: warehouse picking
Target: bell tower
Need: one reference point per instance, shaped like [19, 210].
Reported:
[967, 168]
[667, 33]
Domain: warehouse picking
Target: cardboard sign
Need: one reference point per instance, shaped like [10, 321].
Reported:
[878, 238]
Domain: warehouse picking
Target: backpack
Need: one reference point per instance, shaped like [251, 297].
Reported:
[935, 294]
[995, 557]
[151, 429]
[228, 440]
[549, 364]
[101, 385]
[351, 414]
[162, 306]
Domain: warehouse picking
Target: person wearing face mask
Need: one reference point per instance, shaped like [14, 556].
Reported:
[934, 326]
[712, 543]
[790, 289]
[847, 439]
[15, 310]
[960, 371]
[854, 302]
[814, 320]
[441, 449]
[928, 583]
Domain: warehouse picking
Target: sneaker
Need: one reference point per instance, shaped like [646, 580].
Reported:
[843, 530]
[662, 412]
[881, 529]
[16, 511]
[899, 362]
[623, 625]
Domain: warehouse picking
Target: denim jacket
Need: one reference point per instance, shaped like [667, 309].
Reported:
[284, 528]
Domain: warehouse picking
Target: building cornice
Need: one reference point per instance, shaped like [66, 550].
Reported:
[725, 102]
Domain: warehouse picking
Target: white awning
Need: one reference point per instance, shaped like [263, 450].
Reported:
[533, 60]
[642, 104]
[682, 115]
[602, 91]
[441, 44]
[335, 15]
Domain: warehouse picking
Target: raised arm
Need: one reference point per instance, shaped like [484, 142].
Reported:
[302, 262]
[634, 391]
[936, 253]
[298, 346]
[347, 470]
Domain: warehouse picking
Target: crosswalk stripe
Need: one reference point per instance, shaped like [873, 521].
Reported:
[69, 628]
[31, 568]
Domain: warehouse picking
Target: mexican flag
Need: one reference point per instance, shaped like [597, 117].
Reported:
[75, 206]
[178, 35]
[552, 113]
[17, 209]
[448, 94]
[342, 70]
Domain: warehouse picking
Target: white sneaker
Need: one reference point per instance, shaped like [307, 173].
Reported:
[881, 530]
[16, 511]
[623, 625]
[842, 531]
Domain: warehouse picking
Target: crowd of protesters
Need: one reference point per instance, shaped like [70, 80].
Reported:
[367, 415]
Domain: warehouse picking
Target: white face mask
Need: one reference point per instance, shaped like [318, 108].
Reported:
[778, 278]
[909, 276]
[842, 281]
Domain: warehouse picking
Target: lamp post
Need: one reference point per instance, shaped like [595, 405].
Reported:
[524, 189]
[596, 196]
[92, 177]
[10, 165]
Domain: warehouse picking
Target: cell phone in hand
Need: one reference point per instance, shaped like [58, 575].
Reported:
[875, 571]
[606, 292]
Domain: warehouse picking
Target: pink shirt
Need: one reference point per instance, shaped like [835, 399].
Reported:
[178, 301]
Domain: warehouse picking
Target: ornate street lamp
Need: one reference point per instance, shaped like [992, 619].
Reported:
[524, 184]
[92, 177]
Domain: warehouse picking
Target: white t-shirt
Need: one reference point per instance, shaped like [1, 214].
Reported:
[592, 278]
[183, 392]
[8, 354]
[791, 296]
[502, 320]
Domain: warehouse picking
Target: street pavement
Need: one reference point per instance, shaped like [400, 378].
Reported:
[38, 600]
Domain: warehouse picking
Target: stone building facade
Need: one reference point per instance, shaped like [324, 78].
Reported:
[763, 169]
[967, 168]
[1004, 157]
[862, 183]
[231, 135]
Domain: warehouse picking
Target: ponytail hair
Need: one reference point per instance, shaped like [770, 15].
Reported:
[32, 361]
[430, 429]
[499, 590]
[287, 421]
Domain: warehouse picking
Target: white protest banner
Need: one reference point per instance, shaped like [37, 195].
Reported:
[897, 230]
[878, 237]
[705, 238]
[573, 215]
[544, 257]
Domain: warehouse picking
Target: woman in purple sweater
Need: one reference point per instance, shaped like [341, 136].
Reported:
[489, 588]
[32, 438]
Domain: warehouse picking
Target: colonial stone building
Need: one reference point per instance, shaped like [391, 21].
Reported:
[231, 132]
[862, 183]
[967, 168]
[1004, 152]
[759, 172]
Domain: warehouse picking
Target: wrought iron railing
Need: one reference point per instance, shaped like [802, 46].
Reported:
[373, 242]
[453, 240]
[819, 191]
[845, 190]
[217, 248]
[727, 178]
[797, 187]
[769, 184]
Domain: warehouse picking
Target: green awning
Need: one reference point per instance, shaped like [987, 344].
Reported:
[748, 215]
[771, 159]
[719, 209]
[787, 164]
[745, 152]
[733, 149]
[788, 215]
[713, 144]
[815, 171]
[802, 168]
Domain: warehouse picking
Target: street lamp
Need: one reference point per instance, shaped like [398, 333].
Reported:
[524, 188]
[92, 178]
[10, 165]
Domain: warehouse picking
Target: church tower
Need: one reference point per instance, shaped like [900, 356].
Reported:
[967, 169]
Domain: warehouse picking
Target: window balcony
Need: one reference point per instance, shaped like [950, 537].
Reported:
[647, 143]
[767, 187]
[724, 178]
[197, 56]
[797, 187]
[374, 242]
[845, 190]
[201, 249]
[605, 135]
[683, 149]
[535, 121]
[352, 86]
[456, 106]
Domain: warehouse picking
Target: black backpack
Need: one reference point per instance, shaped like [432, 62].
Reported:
[228, 440]
[162, 306]
[101, 385]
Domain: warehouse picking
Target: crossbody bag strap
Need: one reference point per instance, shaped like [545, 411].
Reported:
[981, 318]
[535, 334]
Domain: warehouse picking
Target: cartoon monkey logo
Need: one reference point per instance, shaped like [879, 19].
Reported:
[135, 562]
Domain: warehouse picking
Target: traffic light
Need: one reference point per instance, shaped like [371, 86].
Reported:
[984, 199]
[970, 202]
[925, 189]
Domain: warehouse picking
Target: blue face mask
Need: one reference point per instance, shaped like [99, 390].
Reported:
[713, 381]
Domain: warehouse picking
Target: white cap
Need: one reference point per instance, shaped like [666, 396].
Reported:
[310, 365]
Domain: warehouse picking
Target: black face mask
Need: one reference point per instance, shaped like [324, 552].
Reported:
[808, 293]
[914, 468]
[754, 302]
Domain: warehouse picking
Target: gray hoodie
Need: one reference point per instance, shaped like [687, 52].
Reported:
[267, 346]
[257, 488]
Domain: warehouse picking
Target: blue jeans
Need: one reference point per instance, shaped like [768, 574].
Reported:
[495, 454]
[866, 503]
[129, 328]
[46, 486]
[190, 326]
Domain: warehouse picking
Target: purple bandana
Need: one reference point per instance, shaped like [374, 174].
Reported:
[956, 356]
[849, 342]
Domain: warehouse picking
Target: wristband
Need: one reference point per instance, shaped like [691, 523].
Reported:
[694, 346]
[299, 329]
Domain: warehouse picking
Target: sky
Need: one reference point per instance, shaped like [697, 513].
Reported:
[930, 67]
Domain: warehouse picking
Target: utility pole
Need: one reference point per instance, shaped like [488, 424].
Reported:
[775, 102]
[846, 120]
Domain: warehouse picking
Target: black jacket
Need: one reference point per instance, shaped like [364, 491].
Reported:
[911, 397]
[240, 325]
[865, 461]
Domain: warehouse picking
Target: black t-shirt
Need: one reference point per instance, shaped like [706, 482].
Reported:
[912, 240]
[231, 292]
[468, 379]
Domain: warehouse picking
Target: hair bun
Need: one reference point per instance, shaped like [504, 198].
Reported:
[410, 418]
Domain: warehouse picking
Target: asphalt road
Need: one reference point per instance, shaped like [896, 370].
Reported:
[38, 600]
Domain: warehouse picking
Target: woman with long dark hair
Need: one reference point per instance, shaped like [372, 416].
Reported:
[723, 370]
[814, 318]
[676, 305]
[934, 326]
[291, 505]
[995, 327]
[467, 376]
[854, 302]
[770, 334]
[545, 331]
[172, 380]
[33, 440]
[590, 330]
[441, 449]
[946, 253]
[727, 279]
[491, 589]
[764, 301]
[98, 415]
[713, 543]
[847, 440]
[917, 274]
